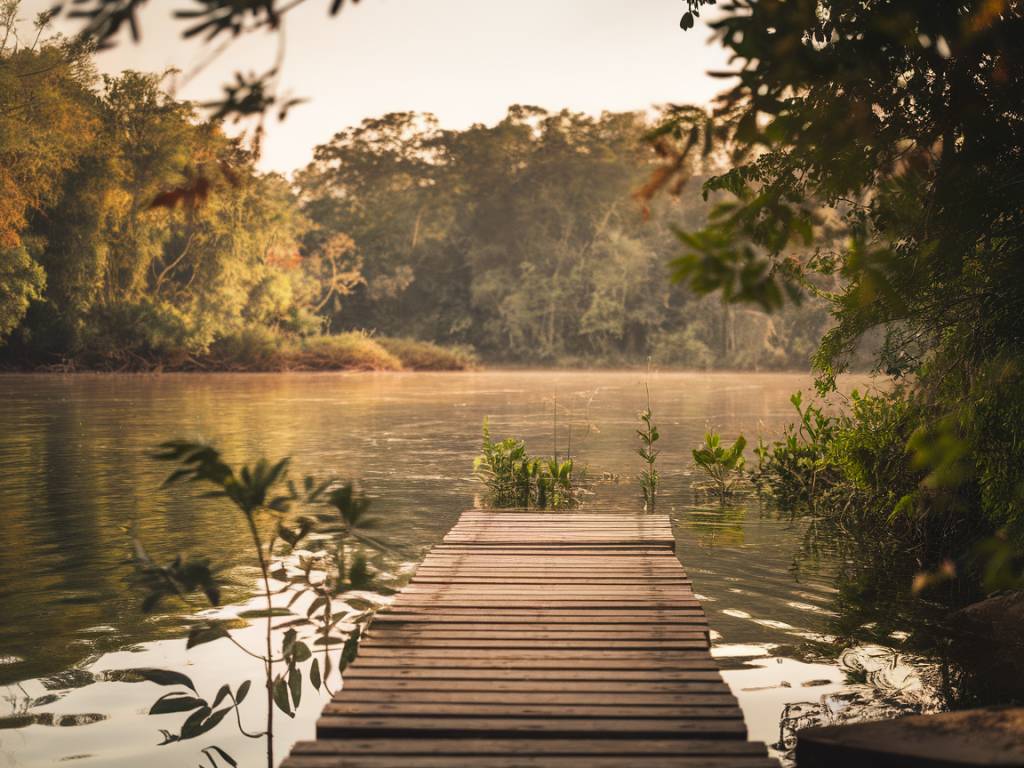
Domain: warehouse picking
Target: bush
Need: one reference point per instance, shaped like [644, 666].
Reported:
[353, 350]
[250, 348]
[427, 356]
[258, 348]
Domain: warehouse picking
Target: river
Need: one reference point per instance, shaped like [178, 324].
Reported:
[75, 473]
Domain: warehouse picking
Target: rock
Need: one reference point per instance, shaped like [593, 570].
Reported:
[988, 643]
[977, 737]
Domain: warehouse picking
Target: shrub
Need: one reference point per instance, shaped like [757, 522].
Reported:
[427, 356]
[353, 350]
[249, 348]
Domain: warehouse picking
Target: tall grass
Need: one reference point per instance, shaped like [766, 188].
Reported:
[427, 356]
[257, 348]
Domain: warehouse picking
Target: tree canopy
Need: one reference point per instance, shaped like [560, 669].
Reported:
[137, 234]
[883, 142]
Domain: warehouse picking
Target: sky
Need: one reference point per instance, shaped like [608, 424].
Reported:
[465, 61]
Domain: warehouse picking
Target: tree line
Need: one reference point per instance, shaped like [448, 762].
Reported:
[134, 233]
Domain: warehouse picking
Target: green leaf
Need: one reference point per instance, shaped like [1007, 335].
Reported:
[300, 652]
[192, 726]
[264, 613]
[224, 691]
[243, 691]
[350, 651]
[314, 674]
[316, 605]
[164, 677]
[207, 634]
[175, 702]
[280, 692]
[295, 685]
[223, 755]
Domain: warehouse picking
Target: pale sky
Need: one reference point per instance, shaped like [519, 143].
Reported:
[464, 60]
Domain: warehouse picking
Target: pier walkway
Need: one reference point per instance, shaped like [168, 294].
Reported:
[537, 639]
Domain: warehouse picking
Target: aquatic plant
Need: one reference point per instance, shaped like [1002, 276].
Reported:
[333, 531]
[723, 465]
[798, 469]
[515, 479]
[648, 435]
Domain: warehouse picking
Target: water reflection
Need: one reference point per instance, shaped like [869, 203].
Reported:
[74, 472]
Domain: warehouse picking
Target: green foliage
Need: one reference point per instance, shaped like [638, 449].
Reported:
[21, 283]
[515, 479]
[427, 356]
[723, 465]
[648, 435]
[332, 528]
[801, 467]
[135, 235]
[874, 161]
[519, 239]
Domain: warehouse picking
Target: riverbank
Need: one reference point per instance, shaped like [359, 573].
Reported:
[264, 350]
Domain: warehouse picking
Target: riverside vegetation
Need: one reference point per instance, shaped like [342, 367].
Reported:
[135, 234]
[320, 581]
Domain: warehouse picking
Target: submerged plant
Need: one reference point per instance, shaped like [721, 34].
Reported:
[723, 465]
[334, 562]
[648, 435]
[515, 479]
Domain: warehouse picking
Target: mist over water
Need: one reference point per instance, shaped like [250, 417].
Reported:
[74, 473]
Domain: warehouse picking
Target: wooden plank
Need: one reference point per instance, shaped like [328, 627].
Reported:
[531, 761]
[348, 726]
[574, 675]
[565, 747]
[354, 685]
[432, 709]
[561, 618]
[524, 632]
[538, 639]
[719, 697]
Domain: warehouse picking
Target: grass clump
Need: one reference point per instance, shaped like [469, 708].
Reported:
[427, 356]
[353, 350]
[259, 348]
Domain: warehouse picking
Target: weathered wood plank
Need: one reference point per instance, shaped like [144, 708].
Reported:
[538, 639]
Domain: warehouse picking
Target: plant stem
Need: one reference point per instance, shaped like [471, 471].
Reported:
[268, 662]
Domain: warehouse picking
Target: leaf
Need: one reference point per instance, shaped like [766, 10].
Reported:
[300, 652]
[223, 755]
[243, 691]
[350, 651]
[264, 613]
[224, 691]
[314, 674]
[175, 702]
[164, 677]
[295, 685]
[280, 692]
[192, 725]
[317, 604]
[206, 634]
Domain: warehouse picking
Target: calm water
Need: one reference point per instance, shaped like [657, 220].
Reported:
[74, 473]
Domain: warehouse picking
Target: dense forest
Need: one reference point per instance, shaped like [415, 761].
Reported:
[136, 234]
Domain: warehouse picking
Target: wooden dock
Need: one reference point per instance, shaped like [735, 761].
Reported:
[538, 639]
